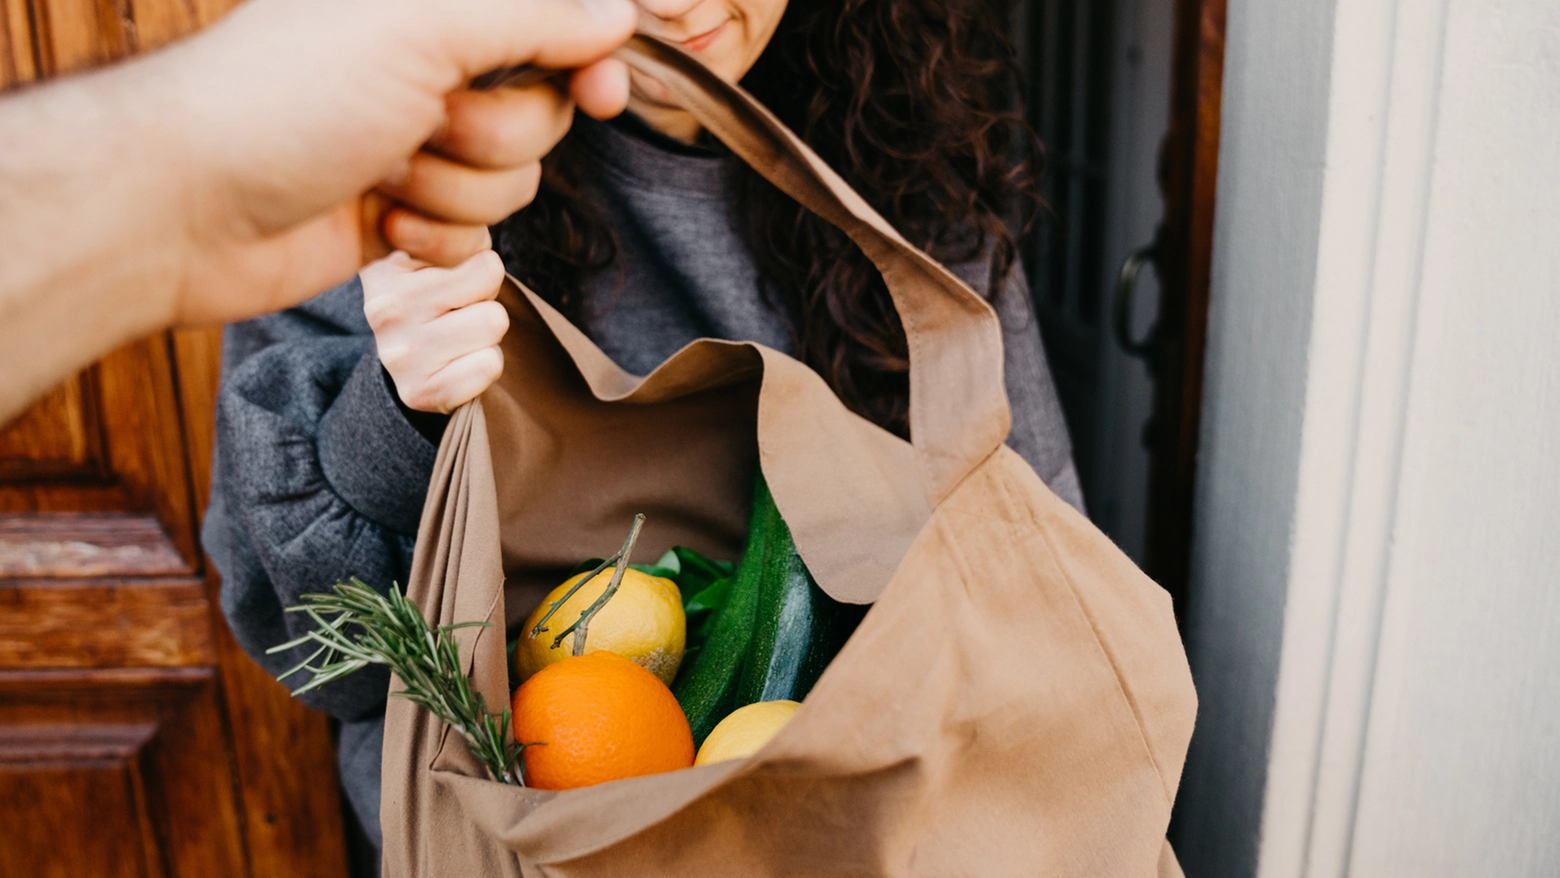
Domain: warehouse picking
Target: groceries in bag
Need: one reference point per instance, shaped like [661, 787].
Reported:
[592, 664]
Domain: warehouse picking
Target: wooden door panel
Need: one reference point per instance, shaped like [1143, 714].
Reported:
[85, 544]
[136, 738]
[153, 737]
[198, 353]
[134, 405]
[17, 62]
[76, 34]
[59, 438]
[159, 21]
[48, 774]
[145, 433]
[51, 623]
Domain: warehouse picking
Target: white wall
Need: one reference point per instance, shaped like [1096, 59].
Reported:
[1375, 625]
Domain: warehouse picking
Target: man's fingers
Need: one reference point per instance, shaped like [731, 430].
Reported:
[503, 128]
[555, 34]
[452, 192]
[464, 379]
[434, 241]
[601, 89]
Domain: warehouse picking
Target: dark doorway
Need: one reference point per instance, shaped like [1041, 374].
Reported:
[1125, 96]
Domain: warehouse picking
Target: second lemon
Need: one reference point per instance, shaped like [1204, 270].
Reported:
[643, 622]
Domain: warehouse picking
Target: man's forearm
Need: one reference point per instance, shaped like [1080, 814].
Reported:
[88, 199]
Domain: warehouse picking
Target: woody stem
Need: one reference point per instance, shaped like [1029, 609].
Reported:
[582, 625]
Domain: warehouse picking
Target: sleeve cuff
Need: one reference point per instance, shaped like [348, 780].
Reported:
[372, 456]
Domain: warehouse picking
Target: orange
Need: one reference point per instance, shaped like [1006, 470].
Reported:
[643, 622]
[595, 718]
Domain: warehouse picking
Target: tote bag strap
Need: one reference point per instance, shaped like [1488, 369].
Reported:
[958, 403]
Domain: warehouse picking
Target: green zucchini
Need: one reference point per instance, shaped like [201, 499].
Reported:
[707, 689]
[798, 629]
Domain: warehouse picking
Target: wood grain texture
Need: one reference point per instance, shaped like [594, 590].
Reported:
[73, 745]
[18, 62]
[85, 544]
[58, 438]
[158, 22]
[1189, 181]
[146, 450]
[144, 459]
[198, 354]
[50, 774]
[286, 764]
[76, 34]
[175, 794]
[101, 578]
[128, 624]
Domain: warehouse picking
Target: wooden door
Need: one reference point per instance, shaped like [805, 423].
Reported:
[1189, 173]
[136, 738]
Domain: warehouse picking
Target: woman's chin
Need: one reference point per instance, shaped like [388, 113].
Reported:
[647, 94]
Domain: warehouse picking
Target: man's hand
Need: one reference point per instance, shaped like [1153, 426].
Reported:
[266, 160]
[301, 106]
[437, 329]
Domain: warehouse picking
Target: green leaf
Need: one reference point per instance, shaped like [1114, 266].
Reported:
[710, 598]
[670, 562]
[698, 570]
[701, 611]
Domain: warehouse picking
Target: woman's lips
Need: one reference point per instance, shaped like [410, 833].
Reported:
[703, 41]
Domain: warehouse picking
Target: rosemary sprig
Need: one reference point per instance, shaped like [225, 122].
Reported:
[357, 627]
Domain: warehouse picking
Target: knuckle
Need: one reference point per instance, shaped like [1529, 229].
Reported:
[497, 320]
[528, 182]
[490, 365]
[393, 358]
[490, 265]
[381, 311]
[489, 321]
[418, 398]
[479, 277]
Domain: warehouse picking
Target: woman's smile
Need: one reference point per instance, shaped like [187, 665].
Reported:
[726, 35]
[703, 41]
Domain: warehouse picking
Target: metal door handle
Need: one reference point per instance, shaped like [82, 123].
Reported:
[1126, 283]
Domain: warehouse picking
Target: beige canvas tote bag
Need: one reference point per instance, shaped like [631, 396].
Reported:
[1016, 702]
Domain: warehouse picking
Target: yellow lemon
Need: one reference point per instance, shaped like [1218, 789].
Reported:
[745, 731]
[643, 622]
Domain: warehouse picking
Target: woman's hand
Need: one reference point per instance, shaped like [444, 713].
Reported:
[437, 329]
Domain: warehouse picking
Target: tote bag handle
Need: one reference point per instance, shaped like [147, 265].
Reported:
[958, 403]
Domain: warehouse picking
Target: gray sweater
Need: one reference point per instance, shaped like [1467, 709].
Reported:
[320, 474]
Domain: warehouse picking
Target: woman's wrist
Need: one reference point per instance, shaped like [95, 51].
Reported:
[430, 424]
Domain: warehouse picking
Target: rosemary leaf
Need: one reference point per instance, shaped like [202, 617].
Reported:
[356, 626]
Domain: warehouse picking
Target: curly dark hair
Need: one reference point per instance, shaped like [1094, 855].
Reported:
[911, 102]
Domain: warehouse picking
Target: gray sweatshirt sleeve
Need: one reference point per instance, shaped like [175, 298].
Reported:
[1039, 433]
[318, 477]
